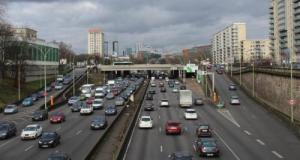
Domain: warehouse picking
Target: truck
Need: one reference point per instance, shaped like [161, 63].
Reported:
[185, 98]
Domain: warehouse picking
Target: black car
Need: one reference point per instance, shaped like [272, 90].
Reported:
[152, 91]
[149, 96]
[7, 129]
[198, 101]
[148, 107]
[232, 87]
[40, 115]
[203, 131]
[98, 122]
[181, 156]
[57, 155]
[163, 89]
[49, 139]
[77, 106]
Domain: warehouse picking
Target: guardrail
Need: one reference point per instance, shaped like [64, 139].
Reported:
[101, 139]
[286, 72]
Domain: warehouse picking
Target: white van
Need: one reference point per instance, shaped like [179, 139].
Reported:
[88, 90]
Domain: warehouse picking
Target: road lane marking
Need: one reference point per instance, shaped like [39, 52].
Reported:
[158, 116]
[161, 148]
[226, 114]
[260, 142]
[229, 148]
[247, 132]
[78, 132]
[277, 154]
[28, 148]
[194, 147]
[7, 142]
[159, 129]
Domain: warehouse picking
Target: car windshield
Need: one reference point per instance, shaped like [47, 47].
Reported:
[56, 158]
[209, 144]
[3, 127]
[164, 100]
[203, 127]
[190, 111]
[48, 135]
[10, 107]
[98, 119]
[73, 98]
[173, 124]
[31, 128]
[145, 119]
[97, 102]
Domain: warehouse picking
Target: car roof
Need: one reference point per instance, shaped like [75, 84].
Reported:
[234, 96]
[190, 109]
[145, 116]
[33, 125]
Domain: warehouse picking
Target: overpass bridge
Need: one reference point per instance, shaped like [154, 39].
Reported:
[141, 67]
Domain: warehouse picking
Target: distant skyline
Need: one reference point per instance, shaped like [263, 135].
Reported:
[167, 24]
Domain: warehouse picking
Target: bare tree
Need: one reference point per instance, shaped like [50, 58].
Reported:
[6, 35]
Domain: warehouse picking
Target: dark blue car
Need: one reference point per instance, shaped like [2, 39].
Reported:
[111, 110]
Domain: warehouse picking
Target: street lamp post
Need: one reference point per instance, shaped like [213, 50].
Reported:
[292, 96]
[73, 77]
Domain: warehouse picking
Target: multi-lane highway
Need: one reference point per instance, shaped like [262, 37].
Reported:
[243, 132]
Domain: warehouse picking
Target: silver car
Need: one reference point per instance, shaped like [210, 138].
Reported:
[234, 100]
[10, 109]
[119, 101]
[98, 104]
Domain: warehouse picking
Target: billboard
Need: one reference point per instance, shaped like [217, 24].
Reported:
[191, 68]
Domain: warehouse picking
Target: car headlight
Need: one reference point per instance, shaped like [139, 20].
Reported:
[41, 116]
[51, 141]
[40, 142]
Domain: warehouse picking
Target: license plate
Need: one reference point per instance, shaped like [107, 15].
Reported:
[44, 145]
[210, 154]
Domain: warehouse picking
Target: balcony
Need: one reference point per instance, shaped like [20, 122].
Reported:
[296, 5]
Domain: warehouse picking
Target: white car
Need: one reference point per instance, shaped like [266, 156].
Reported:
[145, 122]
[32, 131]
[234, 100]
[87, 109]
[58, 86]
[190, 114]
[98, 104]
[153, 85]
[175, 90]
[176, 82]
[164, 103]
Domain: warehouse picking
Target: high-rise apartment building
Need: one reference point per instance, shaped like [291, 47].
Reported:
[115, 48]
[226, 44]
[285, 30]
[255, 50]
[95, 42]
[105, 45]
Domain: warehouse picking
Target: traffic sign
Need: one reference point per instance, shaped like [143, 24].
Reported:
[292, 102]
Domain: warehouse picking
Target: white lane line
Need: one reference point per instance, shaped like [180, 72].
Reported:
[247, 132]
[58, 128]
[158, 116]
[194, 147]
[159, 129]
[226, 114]
[161, 148]
[28, 148]
[229, 148]
[260, 142]
[277, 154]
[78, 132]
[7, 142]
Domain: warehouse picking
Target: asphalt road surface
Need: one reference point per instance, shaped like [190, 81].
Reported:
[243, 132]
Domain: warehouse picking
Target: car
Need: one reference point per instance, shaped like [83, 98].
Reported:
[148, 107]
[60, 78]
[182, 87]
[163, 89]
[164, 103]
[86, 109]
[151, 91]
[27, 102]
[234, 100]
[35, 96]
[219, 71]
[58, 155]
[48, 89]
[77, 106]
[232, 87]
[72, 100]
[7, 130]
[97, 104]
[145, 122]
[198, 101]
[111, 110]
[203, 130]
[39, 115]
[10, 109]
[181, 155]
[57, 117]
[173, 127]
[89, 100]
[149, 96]
[175, 90]
[100, 93]
[119, 101]
[207, 147]
[161, 84]
[176, 82]
[58, 86]
[82, 97]
[110, 96]
[153, 85]
[171, 85]
[190, 114]
[98, 122]
[221, 104]
[67, 80]
[32, 131]
[41, 94]
[49, 139]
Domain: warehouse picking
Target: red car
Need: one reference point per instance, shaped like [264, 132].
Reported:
[57, 117]
[90, 100]
[173, 128]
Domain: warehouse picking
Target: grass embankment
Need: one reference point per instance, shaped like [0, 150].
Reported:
[96, 78]
[9, 93]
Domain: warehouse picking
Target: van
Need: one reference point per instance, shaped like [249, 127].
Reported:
[88, 90]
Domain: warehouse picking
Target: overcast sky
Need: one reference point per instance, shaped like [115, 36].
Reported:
[167, 24]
